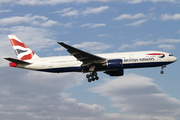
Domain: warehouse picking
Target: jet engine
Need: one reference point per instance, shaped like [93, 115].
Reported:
[117, 67]
[115, 72]
[114, 64]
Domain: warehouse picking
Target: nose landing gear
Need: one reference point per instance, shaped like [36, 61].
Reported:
[162, 68]
[92, 76]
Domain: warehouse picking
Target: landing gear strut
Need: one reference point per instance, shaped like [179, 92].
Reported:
[162, 68]
[92, 76]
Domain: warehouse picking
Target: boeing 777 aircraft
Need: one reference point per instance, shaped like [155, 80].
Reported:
[112, 64]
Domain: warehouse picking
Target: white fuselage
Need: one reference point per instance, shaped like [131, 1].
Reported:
[130, 60]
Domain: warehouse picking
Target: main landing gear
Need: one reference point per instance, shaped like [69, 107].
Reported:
[92, 76]
[162, 68]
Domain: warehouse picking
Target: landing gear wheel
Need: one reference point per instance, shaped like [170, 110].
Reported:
[92, 76]
[162, 68]
[93, 79]
[95, 73]
[87, 76]
[89, 80]
[97, 78]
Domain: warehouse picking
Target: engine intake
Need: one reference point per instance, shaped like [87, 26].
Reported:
[115, 64]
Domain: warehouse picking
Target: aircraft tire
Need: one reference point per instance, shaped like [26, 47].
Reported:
[95, 73]
[93, 79]
[91, 75]
[89, 80]
[87, 76]
[97, 78]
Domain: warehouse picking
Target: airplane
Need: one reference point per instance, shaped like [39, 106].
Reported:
[112, 64]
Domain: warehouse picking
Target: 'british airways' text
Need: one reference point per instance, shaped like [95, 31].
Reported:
[140, 59]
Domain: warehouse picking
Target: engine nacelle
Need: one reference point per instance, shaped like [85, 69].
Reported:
[115, 64]
[115, 73]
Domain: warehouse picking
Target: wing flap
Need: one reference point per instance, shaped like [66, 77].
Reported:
[17, 61]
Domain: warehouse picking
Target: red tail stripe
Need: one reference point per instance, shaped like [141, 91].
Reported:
[27, 57]
[17, 43]
[155, 54]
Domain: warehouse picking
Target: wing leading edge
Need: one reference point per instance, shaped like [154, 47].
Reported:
[87, 58]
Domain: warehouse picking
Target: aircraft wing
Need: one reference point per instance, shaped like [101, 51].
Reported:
[86, 58]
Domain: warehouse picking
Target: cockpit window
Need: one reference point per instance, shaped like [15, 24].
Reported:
[170, 55]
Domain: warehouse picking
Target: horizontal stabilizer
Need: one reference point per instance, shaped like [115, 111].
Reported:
[17, 61]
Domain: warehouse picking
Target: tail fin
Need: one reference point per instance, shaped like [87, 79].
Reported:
[21, 50]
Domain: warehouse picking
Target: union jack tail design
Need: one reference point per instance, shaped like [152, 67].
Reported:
[21, 50]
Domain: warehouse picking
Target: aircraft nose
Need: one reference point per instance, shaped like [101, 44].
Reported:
[175, 59]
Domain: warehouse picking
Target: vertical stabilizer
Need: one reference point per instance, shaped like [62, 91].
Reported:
[21, 50]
